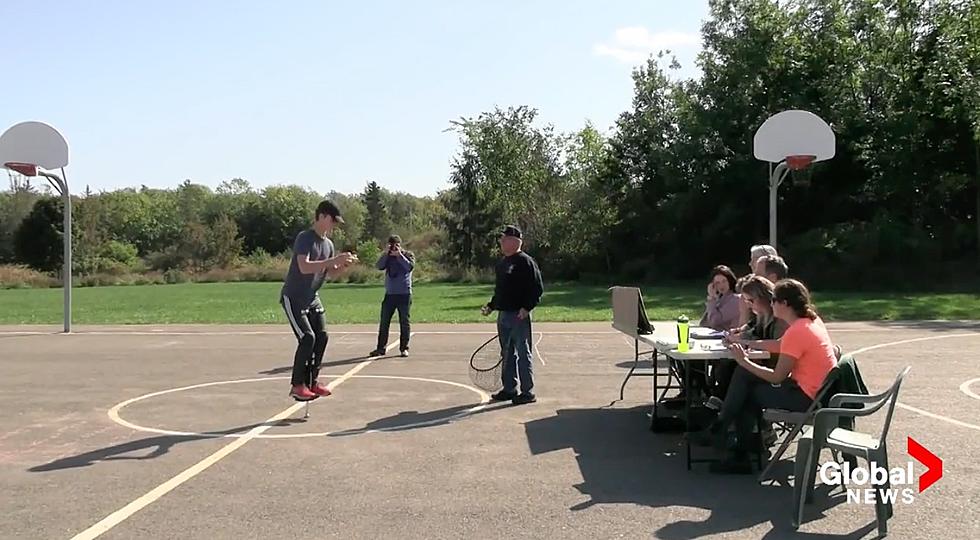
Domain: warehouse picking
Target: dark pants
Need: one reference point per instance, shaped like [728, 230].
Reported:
[392, 302]
[724, 370]
[515, 347]
[308, 325]
[748, 395]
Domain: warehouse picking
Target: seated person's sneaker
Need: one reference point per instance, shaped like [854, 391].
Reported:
[503, 396]
[320, 390]
[714, 403]
[524, 398]
[301, 393]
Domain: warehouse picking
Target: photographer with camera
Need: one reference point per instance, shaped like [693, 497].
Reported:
[398, 266]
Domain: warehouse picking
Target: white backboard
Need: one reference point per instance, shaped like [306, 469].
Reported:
[36, 143]
[794, 133]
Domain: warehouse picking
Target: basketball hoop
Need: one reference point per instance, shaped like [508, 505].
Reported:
[26, 169]
[33, 149]
[797, 163]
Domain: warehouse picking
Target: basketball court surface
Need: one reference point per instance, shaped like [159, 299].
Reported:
[187, 432]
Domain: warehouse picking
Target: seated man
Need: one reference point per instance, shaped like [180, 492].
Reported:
[771, 267]
[756, 252]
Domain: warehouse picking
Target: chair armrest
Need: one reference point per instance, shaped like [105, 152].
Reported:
[782, 415]
[838, 412]
[840, 399]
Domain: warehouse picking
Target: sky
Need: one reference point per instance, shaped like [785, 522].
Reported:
[321, 94]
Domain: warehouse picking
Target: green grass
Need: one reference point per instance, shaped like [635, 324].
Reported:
[241, 303]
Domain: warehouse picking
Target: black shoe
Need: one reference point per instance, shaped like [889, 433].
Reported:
[503, 396]
[375, 353]
[524, 398]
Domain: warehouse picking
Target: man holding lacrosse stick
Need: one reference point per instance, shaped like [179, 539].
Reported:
[313, 260]
[517, 292]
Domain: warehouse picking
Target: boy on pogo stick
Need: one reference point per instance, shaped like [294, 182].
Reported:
[313, 260]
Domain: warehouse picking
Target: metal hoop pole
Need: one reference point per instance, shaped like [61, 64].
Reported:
[776, 178]
[61, 185]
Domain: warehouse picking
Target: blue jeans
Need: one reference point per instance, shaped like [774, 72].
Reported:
[515, 347]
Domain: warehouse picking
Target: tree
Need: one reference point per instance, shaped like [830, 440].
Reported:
[38, 241]
[273, 220]
[517, 166]
[377, 223]
[15, 205]
[469, 220]
[582, 233]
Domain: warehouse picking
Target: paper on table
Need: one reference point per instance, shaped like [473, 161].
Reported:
[706, 333]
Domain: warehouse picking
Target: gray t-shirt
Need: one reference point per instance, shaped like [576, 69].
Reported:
[302, 288]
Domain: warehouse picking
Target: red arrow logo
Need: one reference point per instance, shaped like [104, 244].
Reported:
[934, 465]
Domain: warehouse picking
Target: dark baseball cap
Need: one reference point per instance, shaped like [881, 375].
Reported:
[512, 230]
[330, 209]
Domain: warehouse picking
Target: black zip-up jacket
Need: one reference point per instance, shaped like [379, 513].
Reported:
[519, 284]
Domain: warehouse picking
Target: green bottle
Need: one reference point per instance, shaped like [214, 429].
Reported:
[683, 334]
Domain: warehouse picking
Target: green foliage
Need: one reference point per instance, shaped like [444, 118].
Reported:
[273, 220]
[368, 254]
[511, 168]
[38, 241]
[377, 223]
[15, 205]
[669, 191]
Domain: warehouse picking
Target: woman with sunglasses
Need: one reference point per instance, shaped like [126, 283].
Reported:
[762, 333]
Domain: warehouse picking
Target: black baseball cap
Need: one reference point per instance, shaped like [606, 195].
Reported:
[330, 209]
[512, 230]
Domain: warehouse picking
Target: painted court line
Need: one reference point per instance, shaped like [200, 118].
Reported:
[538, 351]
[114, 413]
[168, 333]
[939, 417]
[964, 387]
[125, 512]
[266, 333]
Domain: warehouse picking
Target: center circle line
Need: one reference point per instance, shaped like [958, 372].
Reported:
[114, 415]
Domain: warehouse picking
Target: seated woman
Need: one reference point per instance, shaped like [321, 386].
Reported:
[763, 332]
[766, 329]
[720, 313]
[806, 356]
[721, 305]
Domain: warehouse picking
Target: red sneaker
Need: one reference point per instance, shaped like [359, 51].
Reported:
[301, 392]
[320, 390]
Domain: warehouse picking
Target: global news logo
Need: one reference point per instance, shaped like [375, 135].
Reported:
[864, 483]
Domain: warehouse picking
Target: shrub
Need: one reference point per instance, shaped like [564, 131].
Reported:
[22, 277]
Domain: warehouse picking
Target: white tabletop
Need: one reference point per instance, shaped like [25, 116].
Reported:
[708, 349]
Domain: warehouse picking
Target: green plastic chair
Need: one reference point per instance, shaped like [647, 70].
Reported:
[826, 433]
